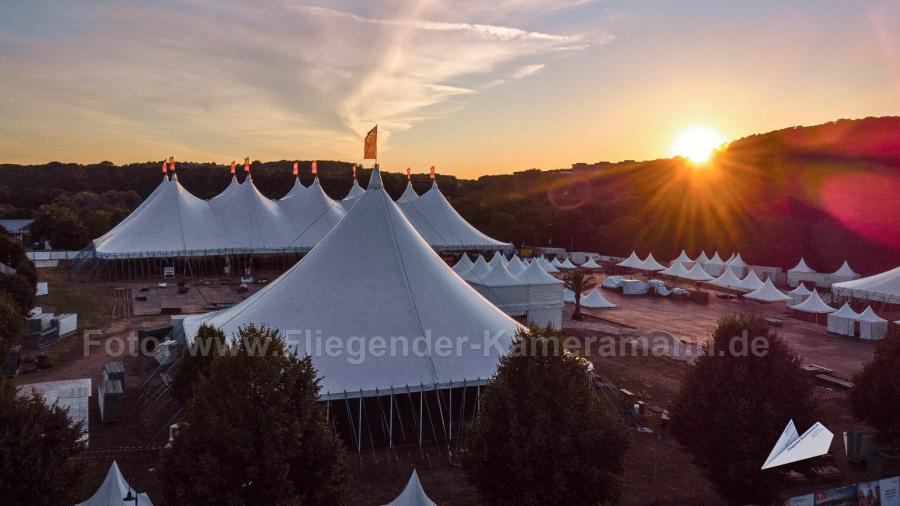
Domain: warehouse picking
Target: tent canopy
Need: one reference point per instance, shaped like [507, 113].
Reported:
[801, 267]
[845, 270]
[408, 194]
[413, 494]
[751, 282]
[595, 299]
[677, 269]
[813, 304]
[650, 264]
[632, 262]
[697, 273]
[800, 290]
[113, 490]
[590, 264]
[727, 279]
[883, 287]
[767, 293]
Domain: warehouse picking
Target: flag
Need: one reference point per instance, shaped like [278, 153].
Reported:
[315, 170]
[164, 166]
[432, 172]
[246, 164]
[408, 176]
[232, 166]
[172, 163]
[354, 171]
[296, 170]
[370, 150]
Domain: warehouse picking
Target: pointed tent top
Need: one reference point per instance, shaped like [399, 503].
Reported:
[845, 270]
[408, 194]
[534, 274]
[547, 266]
[800, 290]
[515, 265]
[650, 264]
[869, 316]
[632, 262]
[846, 312]
[736, 261]
[413, 494]
[767, 293]
[295, 190]
[590, 264]
[113, 490]
[683, 257]
[727, 279]
[716, 259]
[676, 269]
[595, 300]
[813, 304]
[555, 262]
[697, 273]
[801, 267]
[499, 275]
[481, 266]
[463, 264]
[703, 258]
[375, 179]
[751, 282]
[566, 264]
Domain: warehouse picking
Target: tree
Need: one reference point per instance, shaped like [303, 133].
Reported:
[61, 226]
[19, 290]
[875, 397]
[26, 269]
[578, 281]
[734, 404]
[542, 436]
[502, 225]
[37, 446]
[254, 432]
[195, 362]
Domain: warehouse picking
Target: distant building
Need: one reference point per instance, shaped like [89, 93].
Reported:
[581, 166]
[20, 229]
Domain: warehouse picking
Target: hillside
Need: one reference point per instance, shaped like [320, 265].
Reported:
[828, 192]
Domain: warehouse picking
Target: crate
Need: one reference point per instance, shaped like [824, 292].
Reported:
[114, 371]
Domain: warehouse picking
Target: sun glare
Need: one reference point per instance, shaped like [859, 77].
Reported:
[697, 144]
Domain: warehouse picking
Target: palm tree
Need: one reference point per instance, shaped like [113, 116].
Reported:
[578, 281]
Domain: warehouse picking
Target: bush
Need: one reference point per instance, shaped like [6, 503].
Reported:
[732, 408]
[19, 290]
[542, 436]
[875, 397]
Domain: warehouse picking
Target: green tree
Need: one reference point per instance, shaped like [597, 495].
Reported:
[542, 436]
[875, 397]
[12, 328]
[61, 226]
[195, 362]
[37, 446]
[19, 290]
[579, 282]
[255, 433]
[11, 252]
[502, 226]
[734, 404]
[26, 269]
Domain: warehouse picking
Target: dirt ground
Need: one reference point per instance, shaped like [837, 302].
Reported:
[657, 470]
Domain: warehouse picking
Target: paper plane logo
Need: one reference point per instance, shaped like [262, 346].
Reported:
[792, 447]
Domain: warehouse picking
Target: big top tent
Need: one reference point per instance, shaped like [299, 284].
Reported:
[398, 288]
[312, 214]
[252, 222]
[884, 287]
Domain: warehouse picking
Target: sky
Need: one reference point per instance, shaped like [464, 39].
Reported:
[472, 87]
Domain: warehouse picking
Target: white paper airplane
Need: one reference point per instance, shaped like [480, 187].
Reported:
[792, 447]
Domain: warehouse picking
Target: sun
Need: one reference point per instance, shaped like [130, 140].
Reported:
[697, 144]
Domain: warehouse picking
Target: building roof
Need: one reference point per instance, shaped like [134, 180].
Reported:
[15, 225]
[374, 276]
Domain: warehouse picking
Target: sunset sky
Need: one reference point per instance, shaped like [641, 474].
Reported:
[470, 86]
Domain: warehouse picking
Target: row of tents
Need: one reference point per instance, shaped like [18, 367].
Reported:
[172, 222]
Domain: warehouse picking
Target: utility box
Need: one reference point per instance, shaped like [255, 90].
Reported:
[114, 371]
[110, 396]
[67, 323]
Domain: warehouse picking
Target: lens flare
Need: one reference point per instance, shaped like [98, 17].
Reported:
[697, 144]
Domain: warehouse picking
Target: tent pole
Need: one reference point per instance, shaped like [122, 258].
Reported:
[421, 401]
[391, 423]
[359, 433]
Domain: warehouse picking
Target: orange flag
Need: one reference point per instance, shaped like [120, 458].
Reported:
[315, 170]
[371, 147]
[432, 172]
[354, 171]
[296, 170]
[232, 166]
[172, 163]
[164, 166]
[246, 164]
[408, 176]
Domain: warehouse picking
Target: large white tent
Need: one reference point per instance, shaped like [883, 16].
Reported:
[373, 276]
[413, 494]
[843, 321]
[883, 287]
[409, 194]
[113, 491]
[252, 222]
[442, 227]
[312, 214]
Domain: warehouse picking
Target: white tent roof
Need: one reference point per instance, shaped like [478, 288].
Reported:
[751, 282]
[547, 266]
[676, 269]
[698, 274]
[568, 295]
[800, 290]
[682, 257]
[716, 259]
[555, 262]
[737, 261]
[566, 264]
[594, 299]
[590, 264]
[355, 191]
[499, 275]
[650, 264]
[155, 193]
[312, 214]
[480, 268]
[113, 489]
[881, 287]
[515, 265]
[497, 259]
[171, 221]
[463, 264]
[295, 190]
[535, 274]
[252, 222]
[703, 258]
[767, 293]
[234, 186]
[845, 312]
[442, 227]
[632, 262]
[813, 304]
[869, 316]
[727, 279]
[412, 495]
[801, 267]
[845, 270]
[732, 257]
[408, 194]
[399, 288]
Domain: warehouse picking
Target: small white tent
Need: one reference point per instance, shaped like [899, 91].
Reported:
[697, 273]
[546, 265]
[767, 293]
[590, 264]
[113, 491]
[650, 264]
[844, 273]
[463, 264]
[555, 262]
[503, 289]
[799, 294]
[545, 295]
[595, 300]
[728, 280]
[738, 265]
[813, 304]
[843, 321]
[632, 262]
[515, 265]
[715, 266]
[683, 258]
[566, 264]
[872, 326]
[800, 272]
[412, 495]
[750, 282]
[677, 269]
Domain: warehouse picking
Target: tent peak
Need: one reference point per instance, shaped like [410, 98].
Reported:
[375, 179]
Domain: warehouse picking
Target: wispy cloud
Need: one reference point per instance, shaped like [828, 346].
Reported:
[274, 78]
